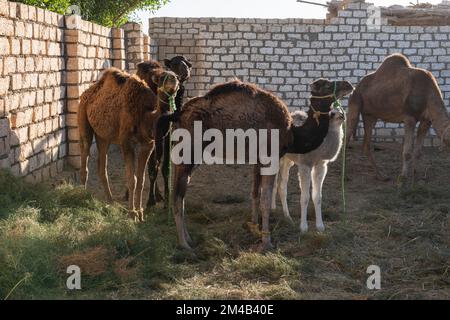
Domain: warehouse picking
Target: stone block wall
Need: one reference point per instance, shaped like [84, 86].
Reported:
[285, 55]
[46, 62]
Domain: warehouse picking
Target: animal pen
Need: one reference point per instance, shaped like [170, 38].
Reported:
[227, 73]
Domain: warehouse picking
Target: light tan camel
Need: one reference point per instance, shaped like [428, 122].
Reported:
[399, 93]
[122, 109]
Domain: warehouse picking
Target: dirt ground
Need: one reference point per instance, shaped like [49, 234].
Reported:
[404, 232]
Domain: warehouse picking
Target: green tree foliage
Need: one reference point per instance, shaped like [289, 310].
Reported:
[110, 13]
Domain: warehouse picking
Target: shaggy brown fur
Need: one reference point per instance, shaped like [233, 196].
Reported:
[399, 93]
[236, 105]
[122, 109]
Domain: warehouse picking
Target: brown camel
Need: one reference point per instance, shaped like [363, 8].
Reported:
[182, 68]
[399, 93]
[237, 105]
[122, 109]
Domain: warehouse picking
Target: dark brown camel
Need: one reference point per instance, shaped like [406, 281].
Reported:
[182, 68]
[122, 109]
[237, 105]
[399, 93]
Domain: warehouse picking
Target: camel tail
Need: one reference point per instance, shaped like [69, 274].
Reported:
[355, 104]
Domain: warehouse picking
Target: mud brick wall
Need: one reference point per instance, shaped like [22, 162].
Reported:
[33, 136]
[46, 62]
[285, 55]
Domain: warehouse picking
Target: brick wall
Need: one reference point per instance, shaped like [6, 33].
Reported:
[285, 55]
[32, 94]
[47, 60]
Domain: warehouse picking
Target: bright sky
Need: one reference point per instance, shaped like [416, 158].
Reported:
[252, 8]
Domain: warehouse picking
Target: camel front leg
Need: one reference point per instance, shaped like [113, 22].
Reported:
[318, 176]
[128, 156]
[408, 145]
[145, 151]
[422, 131]
[304, 177]
[369, 123]
[283, 179]
[153, 169]
[166, 170]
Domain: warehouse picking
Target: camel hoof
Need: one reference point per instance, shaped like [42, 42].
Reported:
[303, 228]
[401, 181]
[320, 228]
[141, 215]
[133, 215]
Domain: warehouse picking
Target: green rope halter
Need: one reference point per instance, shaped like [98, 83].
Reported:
[173, 108]
[337, 105]
[171, 97]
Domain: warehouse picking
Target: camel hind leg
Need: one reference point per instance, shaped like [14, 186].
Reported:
[354, 110]
[102, 147]
[153, 169]
[369, 124]
[181, 179]
[145, 151]
[86, 137]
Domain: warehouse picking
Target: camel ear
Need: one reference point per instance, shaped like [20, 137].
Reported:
[167, 63]
[188, 63]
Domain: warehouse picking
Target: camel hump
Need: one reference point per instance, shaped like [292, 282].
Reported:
[235, 86]
[119, 76]
[393, 63]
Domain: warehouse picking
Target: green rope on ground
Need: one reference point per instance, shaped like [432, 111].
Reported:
[337, 105]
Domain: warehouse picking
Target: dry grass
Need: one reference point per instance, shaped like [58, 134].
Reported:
[405, 232]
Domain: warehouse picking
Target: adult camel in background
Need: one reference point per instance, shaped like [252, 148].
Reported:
[399, 93]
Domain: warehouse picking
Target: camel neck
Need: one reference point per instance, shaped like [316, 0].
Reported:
[439, 116]
[310, 136]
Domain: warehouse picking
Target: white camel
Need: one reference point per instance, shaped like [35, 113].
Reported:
[311, 166]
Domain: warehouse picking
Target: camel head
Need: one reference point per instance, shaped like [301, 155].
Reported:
[167, 82]
[324, 88]
[181, 66]
[337, 118]
[145, 71]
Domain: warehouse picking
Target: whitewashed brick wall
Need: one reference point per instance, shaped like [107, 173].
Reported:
[285, 55]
